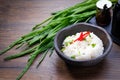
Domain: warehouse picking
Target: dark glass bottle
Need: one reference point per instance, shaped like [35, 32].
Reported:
[116, 21]
[103, 17]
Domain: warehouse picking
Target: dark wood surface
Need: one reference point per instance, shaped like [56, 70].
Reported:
[17, 17]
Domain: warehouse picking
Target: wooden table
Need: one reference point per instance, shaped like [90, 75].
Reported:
[17, 17]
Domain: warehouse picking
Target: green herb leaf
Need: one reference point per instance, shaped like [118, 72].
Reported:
[79, 52]
[89, 35]
[73, 57]
[93, 45]
[62, 49]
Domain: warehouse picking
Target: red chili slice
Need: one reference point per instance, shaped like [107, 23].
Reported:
[82, 36]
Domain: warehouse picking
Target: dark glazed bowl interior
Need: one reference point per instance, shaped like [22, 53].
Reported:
[73, 29]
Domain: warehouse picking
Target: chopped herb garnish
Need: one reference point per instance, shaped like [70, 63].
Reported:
[79, 52]
[93, 45]
[73, 57]
[62, 49]
[84, 39]
[67, 43]
[89, 35]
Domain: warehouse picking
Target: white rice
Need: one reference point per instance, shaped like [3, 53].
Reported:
[87, 49]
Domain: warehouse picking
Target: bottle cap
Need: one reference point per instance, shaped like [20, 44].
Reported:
[100, 4]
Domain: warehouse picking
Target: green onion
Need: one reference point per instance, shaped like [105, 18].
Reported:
[93, 45]
[73, 57]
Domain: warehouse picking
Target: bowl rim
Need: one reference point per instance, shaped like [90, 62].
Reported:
[60, 53]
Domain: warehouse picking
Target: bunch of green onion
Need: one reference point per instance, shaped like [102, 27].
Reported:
[40, 39]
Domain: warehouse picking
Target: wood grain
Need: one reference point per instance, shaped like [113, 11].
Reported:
[17, 17]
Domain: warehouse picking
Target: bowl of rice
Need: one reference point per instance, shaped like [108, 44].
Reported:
[82, 44]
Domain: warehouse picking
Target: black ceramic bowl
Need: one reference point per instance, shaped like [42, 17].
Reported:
[73, 29]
